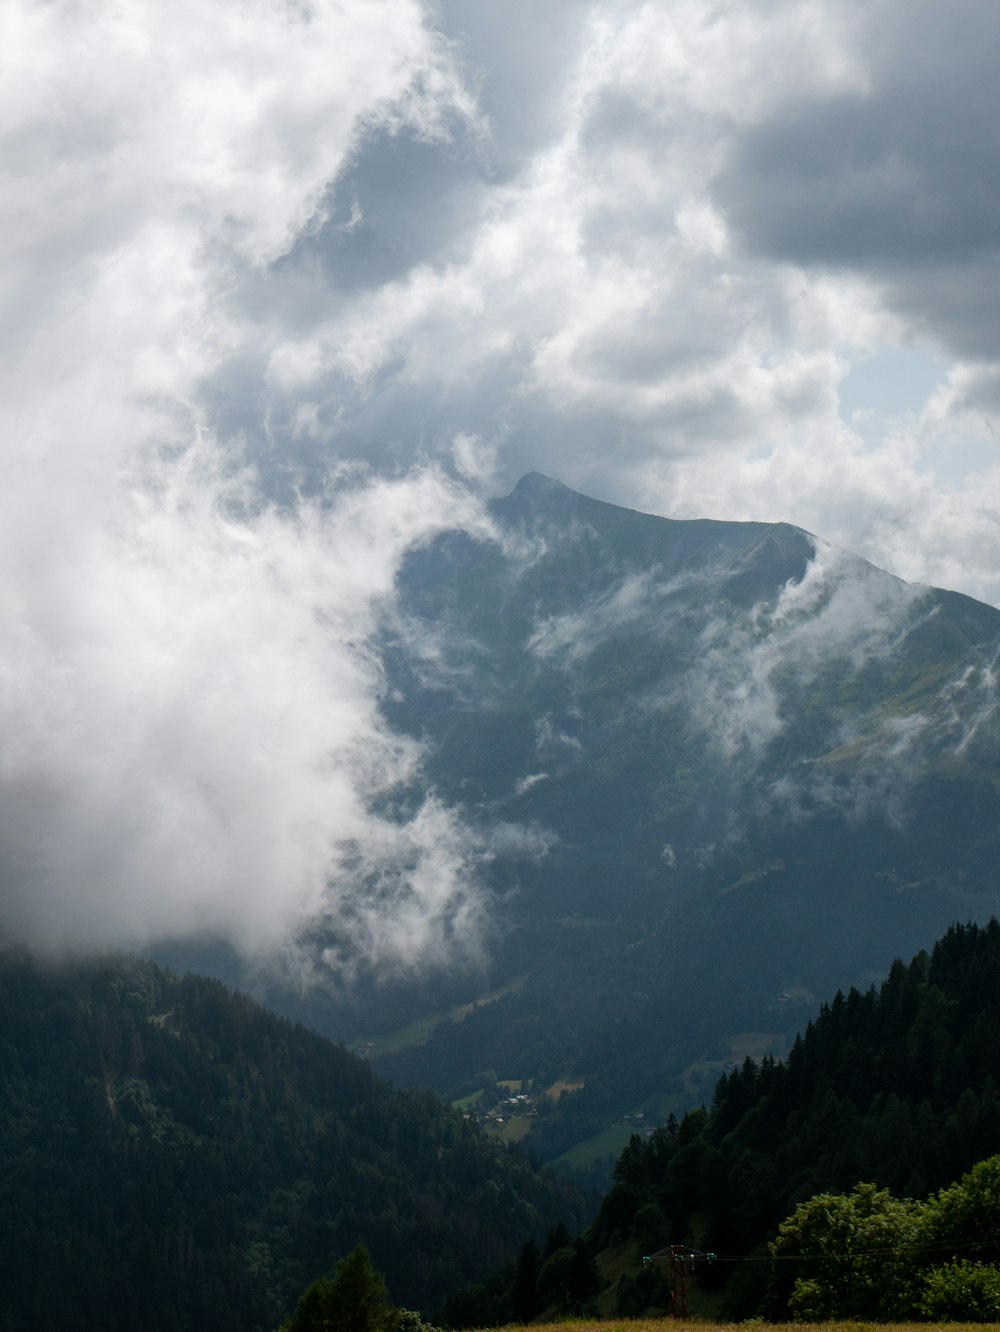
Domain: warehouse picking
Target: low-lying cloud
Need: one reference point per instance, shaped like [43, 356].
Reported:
[753, 670]
[191, 729]
[190, 733]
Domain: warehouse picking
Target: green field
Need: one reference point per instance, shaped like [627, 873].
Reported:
[467, 1102]
[611, 1142]
[696, 1325]
[513, 1129]
[418, 1032]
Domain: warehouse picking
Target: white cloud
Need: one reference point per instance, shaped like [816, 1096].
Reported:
[572, 637]
[381, 234]
[599, 311]
[841, 611]
[476, 459]
[191, 734]
[189, 698]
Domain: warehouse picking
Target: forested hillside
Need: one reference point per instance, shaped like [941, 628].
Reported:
[898, 1087]
[174, 1157]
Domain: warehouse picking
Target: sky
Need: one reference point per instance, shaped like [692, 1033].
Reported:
[289, 286]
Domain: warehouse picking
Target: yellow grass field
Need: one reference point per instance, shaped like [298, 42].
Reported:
[694, 1325]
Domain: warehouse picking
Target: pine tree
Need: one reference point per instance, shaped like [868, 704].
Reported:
[354, 1301]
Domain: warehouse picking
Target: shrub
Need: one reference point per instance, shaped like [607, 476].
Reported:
[961, 1291]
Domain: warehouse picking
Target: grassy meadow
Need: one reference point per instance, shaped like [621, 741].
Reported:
[696, 1325]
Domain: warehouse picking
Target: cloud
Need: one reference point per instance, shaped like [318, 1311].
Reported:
[738, 676]
[650, 271]
[189, 691]
[747, 690]
[574, 636]
[271, 274]
[649, 302]
[753, 669]
[555, 747]
[896, 178]
[192, 734]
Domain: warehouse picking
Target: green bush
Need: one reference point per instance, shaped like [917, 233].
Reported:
[963, 1292]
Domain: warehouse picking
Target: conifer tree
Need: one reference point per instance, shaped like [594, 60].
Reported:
[355, 1300]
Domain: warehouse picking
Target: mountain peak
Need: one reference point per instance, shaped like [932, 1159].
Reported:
[537, 495]
[536, 491]
[761, 556]
[537, 483]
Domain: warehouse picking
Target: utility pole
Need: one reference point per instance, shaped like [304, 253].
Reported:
[678, 1281]
[680, 1257]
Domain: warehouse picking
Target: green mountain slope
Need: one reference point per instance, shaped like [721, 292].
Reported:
[174, 1157]
[755, 767]
[714, 770]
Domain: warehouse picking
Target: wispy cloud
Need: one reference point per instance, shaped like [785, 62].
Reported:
[754, 668]
[637, 597]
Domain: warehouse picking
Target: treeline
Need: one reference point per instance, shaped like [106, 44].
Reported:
[898, 1087]
[173, 1156]
[559, 1277]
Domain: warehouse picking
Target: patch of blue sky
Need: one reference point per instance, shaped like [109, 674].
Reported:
[885, 395]
[884, 390]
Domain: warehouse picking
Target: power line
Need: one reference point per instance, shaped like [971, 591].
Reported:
[690, 1256]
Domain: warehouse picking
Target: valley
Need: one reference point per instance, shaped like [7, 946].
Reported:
[713, 774]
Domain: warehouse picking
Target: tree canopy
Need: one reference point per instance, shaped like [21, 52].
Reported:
[356, 1300]
[173, 1156]
[869, 1255]
[898, 1087]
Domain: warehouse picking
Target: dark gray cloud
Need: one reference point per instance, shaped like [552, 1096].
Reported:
[900, 182]
[402, 201]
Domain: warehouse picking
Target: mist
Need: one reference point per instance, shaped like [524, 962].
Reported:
[189, 688]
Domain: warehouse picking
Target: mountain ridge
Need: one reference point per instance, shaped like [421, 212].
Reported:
[681, 704]
[537, 496]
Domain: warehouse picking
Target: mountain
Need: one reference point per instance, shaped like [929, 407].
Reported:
[173, 1156]
[710, 770]
[721, 768]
